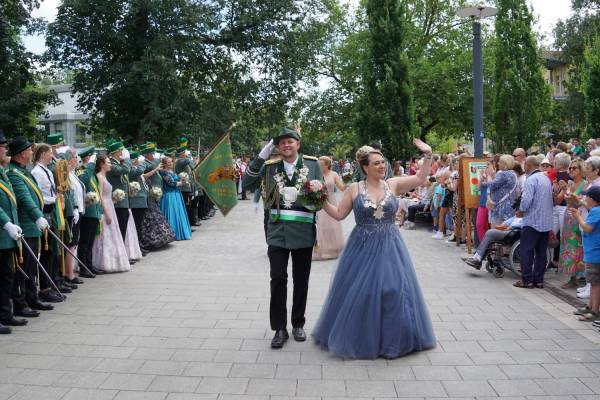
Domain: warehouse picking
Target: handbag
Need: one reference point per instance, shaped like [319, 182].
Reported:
[491, 204]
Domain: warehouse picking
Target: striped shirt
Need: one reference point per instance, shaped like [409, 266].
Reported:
[536, 202]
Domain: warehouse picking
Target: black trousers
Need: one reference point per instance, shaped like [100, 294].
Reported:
[534, 256]
[25, 291]
[123, 218]
[138, 217]
[301, 263]
[87, 234]
[193, 210]
[6, 282]
[50, 257]
[413, 210]
[188, 201]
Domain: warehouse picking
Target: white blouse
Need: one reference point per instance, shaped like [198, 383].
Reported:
[78, 192]
[45, 180]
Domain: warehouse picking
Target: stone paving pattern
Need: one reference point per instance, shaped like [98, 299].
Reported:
[191, 322]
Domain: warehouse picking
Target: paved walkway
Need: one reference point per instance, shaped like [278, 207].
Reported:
[191, 322]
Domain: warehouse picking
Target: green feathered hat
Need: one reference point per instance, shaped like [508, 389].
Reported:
[183, 141]
[113, 145]
[286, 132]
[87, 151]
[55, 139]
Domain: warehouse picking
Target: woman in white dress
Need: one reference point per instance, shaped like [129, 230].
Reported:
[330, 239]
[109, 253]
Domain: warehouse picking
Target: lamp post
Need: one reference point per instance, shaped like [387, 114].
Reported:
[476, 14]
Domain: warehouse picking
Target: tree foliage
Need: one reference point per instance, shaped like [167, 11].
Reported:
[591, 88]
[21, 100]
[155, 69]
[522, 98]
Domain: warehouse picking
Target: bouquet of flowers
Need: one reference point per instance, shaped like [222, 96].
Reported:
[118, 195]
[134, 188]
[347, 177]
[314, 194]
[184, 176]
[91, 198]
[156, 193]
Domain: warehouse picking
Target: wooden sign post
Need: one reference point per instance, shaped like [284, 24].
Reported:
[470, 169]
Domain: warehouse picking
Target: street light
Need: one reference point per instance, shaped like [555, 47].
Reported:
[476, 14]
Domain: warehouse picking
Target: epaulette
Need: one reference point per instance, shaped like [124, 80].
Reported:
[79, 172]
[271, 162]
[310, 158]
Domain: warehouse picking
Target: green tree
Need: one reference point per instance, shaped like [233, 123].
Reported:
[385, 110]
[155, 69]
[591, 88]
[522, 98]
[21, 99]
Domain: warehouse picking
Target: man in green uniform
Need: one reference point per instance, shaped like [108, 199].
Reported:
[118, 177]
[291, 229]
[30, 203]
[9, 234]
[90, 220]
[55, 140]
[138, 202]
[186, 164]
[152, 166]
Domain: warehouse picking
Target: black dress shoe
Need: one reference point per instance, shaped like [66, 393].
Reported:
[4, 330]
[74, 281]
[84, 274]
[470, 261]
[68, 284]
[50, 297]
[281, 336]
[97, 271]
[41, 306]
[64, 288]
[299, 334]
[14, 322]
[27, 313]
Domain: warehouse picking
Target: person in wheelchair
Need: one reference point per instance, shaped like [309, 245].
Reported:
[491, 236]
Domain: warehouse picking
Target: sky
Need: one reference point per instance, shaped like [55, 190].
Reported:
[548, 12]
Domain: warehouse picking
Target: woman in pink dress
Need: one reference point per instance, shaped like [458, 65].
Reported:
[330, 239]
[109, 253]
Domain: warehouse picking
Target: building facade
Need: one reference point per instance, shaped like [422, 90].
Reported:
[556, 74]
[66, 118]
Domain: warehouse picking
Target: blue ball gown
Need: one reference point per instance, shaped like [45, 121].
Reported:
[173, 206]
[375, 307]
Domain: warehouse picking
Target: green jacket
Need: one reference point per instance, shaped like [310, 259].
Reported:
[30, 202]
[140, 200]
[185, 165]
[118, 177]
[88, 177]
[155, 180]
[8, 210]
[289, 228]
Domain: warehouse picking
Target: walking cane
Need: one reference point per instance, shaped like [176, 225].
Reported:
[70, 252]
[37, 260]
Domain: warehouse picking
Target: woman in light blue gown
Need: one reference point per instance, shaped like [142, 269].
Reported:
[172, 204]
[375, 307]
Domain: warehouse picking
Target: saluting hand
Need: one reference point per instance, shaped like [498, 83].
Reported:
[422, 146]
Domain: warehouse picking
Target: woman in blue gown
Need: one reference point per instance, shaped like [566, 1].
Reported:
[375, 307]
[171, 202]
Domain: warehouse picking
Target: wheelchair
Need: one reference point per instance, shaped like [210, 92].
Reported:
[504, 255]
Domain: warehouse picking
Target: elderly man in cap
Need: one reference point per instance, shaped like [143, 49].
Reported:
[291, 229]
[118, 177]
[9, 235]
[139, 201]
[30, 205]
[55, 140]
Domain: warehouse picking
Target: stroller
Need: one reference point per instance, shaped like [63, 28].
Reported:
[504, 255]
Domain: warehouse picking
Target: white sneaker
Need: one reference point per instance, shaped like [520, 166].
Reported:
[438, 236]
[584, 288]
[584, 295]
[409, 225]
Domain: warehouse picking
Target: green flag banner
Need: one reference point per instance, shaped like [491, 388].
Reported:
[216, 175]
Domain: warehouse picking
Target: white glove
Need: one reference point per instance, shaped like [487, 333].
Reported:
[124, 154]
[92, 158]
[267, 150]
[14, 231]
[42, 224]
[75, 217]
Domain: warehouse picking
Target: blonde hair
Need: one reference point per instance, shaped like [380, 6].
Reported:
[40, 149]
[507, 160]
[326, 160]
[362, 156]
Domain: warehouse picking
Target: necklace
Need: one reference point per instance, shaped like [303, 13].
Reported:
[378, 213]
[290, 188]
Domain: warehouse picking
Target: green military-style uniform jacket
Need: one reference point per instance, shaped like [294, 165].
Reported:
[289, 228]
[29, 199]
[140, 200]
[8, 210]
[185, 165]
[118, 177]
[88, 177]
[155, 180]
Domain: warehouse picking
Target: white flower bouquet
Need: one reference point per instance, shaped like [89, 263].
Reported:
[134, 188]
[156, 193]
[184, 176]
[91, 198]
[118, 195]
